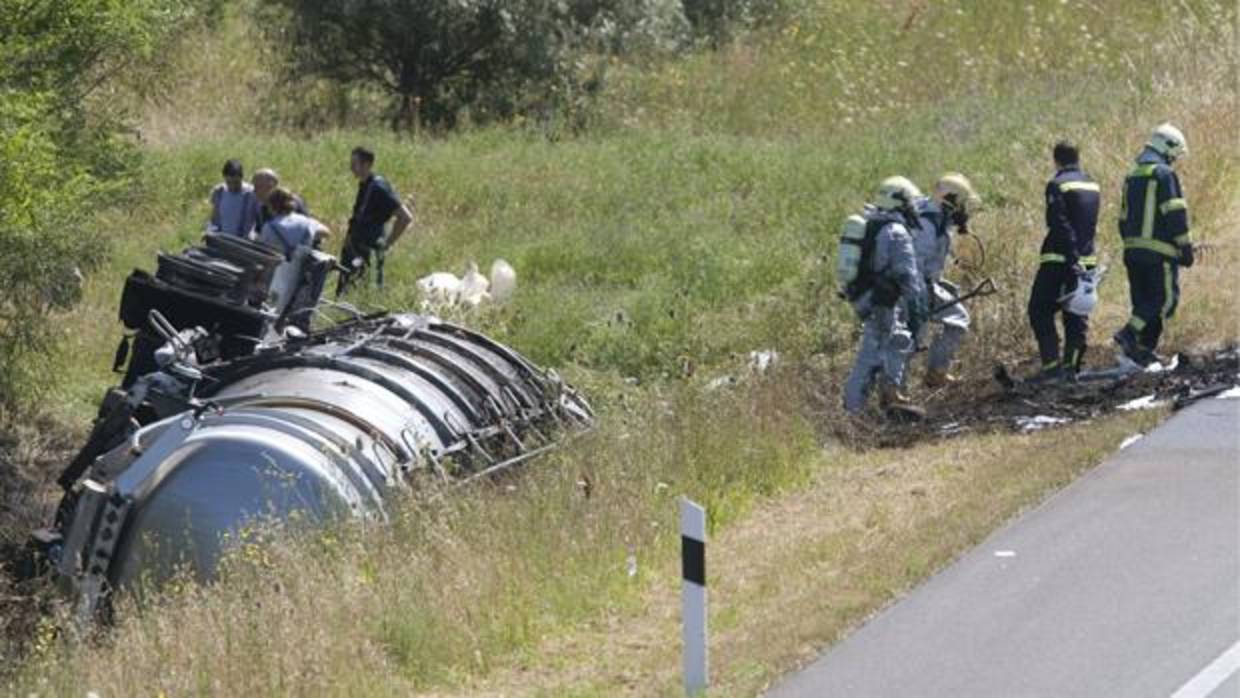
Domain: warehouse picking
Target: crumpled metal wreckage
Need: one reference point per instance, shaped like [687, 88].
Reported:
[233, 409]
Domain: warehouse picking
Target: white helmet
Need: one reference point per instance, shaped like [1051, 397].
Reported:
[896, 194]
[1084, 298]
[1168, 141]
[960, 189]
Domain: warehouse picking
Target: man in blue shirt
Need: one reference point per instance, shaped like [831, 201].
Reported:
[265, 182]
[232, 203]
[288, 229]
[376, 204]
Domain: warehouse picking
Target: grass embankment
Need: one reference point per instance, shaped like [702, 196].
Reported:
[693, 224]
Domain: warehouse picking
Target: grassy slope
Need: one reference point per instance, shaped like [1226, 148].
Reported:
[694, 223]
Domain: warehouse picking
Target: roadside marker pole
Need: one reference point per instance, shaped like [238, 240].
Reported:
[693, 594]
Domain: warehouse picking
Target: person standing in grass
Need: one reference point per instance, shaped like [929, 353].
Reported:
[1153, 222]
[232, 203]
[889, 298]
[941, 216]
[265, 182]
[289, 230]
[1072, 203]
[375, 205]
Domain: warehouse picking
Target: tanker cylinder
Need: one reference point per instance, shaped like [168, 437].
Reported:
[217, 432]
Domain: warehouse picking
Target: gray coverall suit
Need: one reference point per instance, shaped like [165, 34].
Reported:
[933, 242]
[885, 338]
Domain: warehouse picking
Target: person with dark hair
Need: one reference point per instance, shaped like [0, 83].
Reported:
[289, 230]
[1072, 204]
[232, 203]
[265, 182]
[375, 205]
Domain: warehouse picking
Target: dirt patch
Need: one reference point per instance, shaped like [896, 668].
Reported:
[33, 450]
[1011, 405]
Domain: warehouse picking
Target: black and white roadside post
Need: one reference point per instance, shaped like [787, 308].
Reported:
[693, 594]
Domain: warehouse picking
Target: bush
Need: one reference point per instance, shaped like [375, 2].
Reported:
[432, 57]
[436, 59]
[715, 21]
[62, 153]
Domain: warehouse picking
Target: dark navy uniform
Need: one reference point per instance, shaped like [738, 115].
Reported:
[1072, 203]
[374, 206]
[1154, 225]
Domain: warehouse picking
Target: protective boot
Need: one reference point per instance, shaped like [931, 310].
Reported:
[1127, 340]
[896, 405]
[939, 378]
[1051, 375]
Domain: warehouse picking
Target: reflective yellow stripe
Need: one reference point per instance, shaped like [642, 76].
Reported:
[1185, 239]
[1136, 323]
[1169, 289]
[1050, 365]
[1089, 261]
[1146, 170]
[1163, 248]
[1066, 187]
[1172, 205]
[1052, 257]
[1151, 203]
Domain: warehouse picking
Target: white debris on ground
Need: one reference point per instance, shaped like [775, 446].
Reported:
[1149, 402]
[443, 289]
[475, 288]
[1039, 422]
[1168, 367]
[759, 362]
[503, 281]
[1130, 441]
[951, 428]
[1230, 394]
[762, 361]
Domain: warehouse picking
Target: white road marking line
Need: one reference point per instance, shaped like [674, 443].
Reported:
[1005, 553]
[1212, 676]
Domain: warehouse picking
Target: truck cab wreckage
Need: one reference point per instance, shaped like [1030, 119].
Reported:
[233, 409]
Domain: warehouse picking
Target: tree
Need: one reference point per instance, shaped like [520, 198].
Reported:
[62, 153]
[715, 21]
[433, 56]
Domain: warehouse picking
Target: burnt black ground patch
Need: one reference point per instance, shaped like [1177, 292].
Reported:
[994, 407]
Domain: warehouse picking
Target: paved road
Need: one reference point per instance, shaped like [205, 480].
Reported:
[1126, 583]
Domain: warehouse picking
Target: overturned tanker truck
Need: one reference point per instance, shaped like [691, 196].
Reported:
[233, 408]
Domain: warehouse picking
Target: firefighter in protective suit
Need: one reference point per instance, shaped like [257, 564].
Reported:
[939, 217]
[1154, 225]
[889, 298]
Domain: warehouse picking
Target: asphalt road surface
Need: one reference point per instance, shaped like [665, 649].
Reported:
[1126, 583]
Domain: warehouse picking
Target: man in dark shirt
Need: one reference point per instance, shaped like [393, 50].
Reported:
[1072, 203]
[375, 205]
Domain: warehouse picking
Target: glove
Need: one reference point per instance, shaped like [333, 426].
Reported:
[961, 218]
[918, 315]
[1187, 257]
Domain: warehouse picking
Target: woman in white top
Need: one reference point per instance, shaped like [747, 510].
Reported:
[289, 229]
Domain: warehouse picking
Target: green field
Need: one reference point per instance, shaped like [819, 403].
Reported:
[692, 221]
